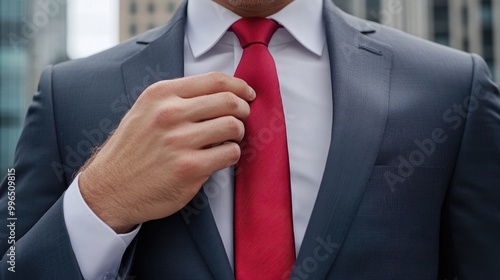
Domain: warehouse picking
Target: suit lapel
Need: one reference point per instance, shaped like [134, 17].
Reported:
[201, 225]
[162, 58]
[360, 68]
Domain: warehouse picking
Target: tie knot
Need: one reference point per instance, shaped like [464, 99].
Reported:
[254, 30]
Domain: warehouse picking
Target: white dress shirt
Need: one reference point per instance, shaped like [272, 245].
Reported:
[299, 50]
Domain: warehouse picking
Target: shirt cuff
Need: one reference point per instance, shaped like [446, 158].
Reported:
[98, 248]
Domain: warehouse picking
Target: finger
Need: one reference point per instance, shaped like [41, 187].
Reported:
[217, 105]
[215, 131]
[210, 83]
[219, 157]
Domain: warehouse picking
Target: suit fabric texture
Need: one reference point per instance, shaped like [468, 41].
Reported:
[411, 188]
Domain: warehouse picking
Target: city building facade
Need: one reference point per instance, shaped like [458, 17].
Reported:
[469, 25]
[32, 36]
[138, 16]
[13, 76]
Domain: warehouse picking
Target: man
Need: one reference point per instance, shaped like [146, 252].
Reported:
[392, 143]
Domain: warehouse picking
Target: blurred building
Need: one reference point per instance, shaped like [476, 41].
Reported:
[137, 16]
[49, 43]
[469, 25]
[32, 35]
[13, 77]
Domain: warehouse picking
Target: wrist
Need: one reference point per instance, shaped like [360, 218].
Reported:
[97, 196]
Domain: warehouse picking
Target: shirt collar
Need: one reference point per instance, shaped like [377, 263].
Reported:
[208, 21]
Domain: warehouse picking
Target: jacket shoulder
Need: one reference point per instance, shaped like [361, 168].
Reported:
[112, 57]
[408, 45]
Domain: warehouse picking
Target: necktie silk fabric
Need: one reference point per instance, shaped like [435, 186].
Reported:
[263, 229]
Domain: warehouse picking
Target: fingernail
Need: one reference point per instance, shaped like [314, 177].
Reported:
[252, 93]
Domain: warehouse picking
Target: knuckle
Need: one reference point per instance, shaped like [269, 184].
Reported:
[187, 166]
[152, 90]
[160, 89]
[231, 101]
[172, 139]
[219, 79]
[167, 114]
[234, 126]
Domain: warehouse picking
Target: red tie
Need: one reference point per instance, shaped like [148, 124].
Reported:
[263, 231]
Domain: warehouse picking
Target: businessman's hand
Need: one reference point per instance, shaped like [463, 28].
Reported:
[174, 137]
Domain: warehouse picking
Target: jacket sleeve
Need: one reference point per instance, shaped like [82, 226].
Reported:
[470, 234]
[42, 247]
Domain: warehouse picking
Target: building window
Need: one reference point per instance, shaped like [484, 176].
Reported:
[171, 6]
[151, 8]
[487, 33]
[487, 25]
[465, 16]
[486, 12]
[133, 8]
[345, 5]
[441, 19]
[132, 29]
[442, 39]
[373, 10]
[465, 44]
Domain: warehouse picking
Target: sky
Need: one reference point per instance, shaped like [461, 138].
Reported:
[92, 26]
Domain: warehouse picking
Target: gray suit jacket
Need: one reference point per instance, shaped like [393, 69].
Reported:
[411, 188]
